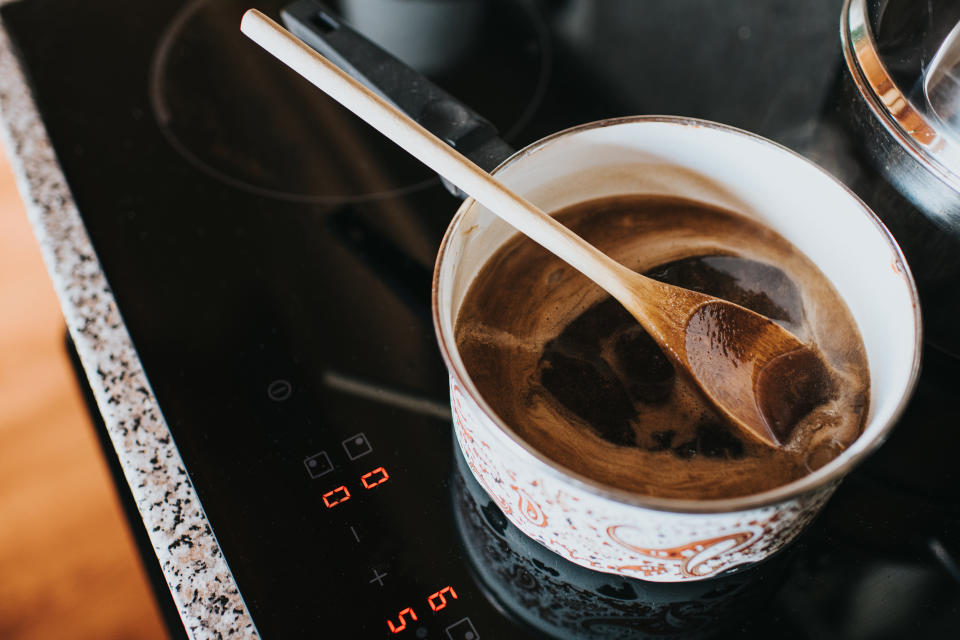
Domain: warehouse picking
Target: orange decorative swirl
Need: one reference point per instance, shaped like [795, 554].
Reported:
[693, 555]
[529, 508]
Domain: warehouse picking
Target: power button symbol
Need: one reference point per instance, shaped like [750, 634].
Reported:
[279, 390]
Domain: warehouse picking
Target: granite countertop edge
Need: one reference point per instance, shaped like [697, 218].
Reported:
[202, 586]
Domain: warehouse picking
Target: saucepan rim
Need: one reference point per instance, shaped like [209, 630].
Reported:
[832, 472]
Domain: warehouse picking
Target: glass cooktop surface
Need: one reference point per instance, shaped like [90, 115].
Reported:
[272, 259]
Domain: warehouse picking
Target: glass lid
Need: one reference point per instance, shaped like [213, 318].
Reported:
[905, 60]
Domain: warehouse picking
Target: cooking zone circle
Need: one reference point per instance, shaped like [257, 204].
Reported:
[240, 116]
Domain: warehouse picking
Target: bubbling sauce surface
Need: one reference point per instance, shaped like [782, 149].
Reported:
[575, 375]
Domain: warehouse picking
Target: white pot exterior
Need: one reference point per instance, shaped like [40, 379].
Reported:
[659, 539]
[605, 535]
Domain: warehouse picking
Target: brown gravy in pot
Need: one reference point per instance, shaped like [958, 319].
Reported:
[572, 373]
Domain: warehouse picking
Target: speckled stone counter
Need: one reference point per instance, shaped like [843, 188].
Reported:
[200, 581]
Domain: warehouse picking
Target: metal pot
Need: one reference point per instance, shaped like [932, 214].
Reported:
[888, 46]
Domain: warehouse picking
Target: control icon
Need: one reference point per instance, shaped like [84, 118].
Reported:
[462, 630]
[378, 577]
[318, 464]
[357, 446]
[279, 390]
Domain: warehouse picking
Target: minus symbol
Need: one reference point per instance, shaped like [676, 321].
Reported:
[355, 536]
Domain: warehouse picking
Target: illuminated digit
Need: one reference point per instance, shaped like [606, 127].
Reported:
[335, 497]
[443, 601]
[403, 623]
[378, 475]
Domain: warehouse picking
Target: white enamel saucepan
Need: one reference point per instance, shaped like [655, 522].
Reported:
[595, 525]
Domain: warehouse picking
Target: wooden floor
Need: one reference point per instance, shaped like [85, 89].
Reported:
[68, 567]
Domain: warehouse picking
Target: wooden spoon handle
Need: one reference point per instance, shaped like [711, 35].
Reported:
[616, 279]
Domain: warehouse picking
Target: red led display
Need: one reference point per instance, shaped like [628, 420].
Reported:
[403, 623]
[335, 497]
[375, 477]
[437, 601]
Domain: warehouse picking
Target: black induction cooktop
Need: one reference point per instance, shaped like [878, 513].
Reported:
[272, 256]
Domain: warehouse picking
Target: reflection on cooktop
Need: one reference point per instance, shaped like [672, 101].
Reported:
[562, 600]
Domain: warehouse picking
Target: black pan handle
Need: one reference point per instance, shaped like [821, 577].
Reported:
[435, 109]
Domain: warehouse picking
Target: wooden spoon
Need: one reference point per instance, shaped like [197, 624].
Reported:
[756, 373]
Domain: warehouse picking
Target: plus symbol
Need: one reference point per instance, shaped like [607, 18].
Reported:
[378, 577]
